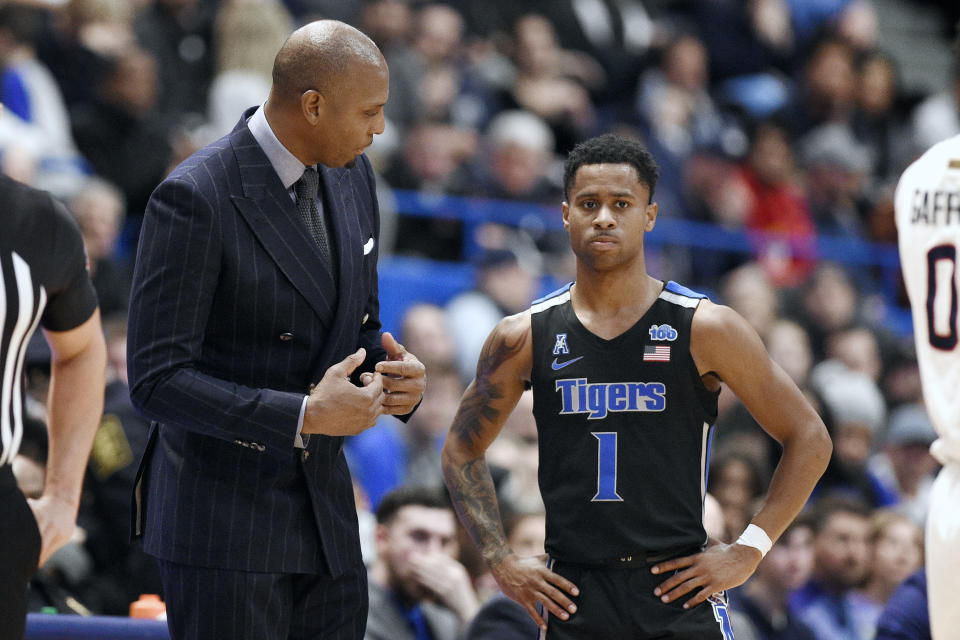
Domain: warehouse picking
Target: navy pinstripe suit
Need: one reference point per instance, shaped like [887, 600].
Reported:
[233, 315]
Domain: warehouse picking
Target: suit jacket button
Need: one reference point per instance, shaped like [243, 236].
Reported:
[306, 454]
[286, 337]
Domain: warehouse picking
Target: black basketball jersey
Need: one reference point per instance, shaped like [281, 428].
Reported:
[624, 428]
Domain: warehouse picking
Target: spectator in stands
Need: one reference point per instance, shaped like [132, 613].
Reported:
[837, 168]
[392, 453]
[906, 616]
[897, 552]
[745, 38]
[828, 602]
[99, 208]
[854, 412]
[827, 93]
[713, 194]
[424, 330]
[515, 450]
[736, 481]
[84, 33]
[179, 36]
[505, 284]
[246, 39]
[434, 78]
[551, 82]
[432, 159]
[501, 618]
[120, 134]
[878, 122]
[904, 463]
[789, 346]
[858, 348]
[853, 20]
[388, 23]
[417, 587]
[518, 160]
[827, 303]
[749, 291]
[675, 107]
[777, 206]
[764, 597]
[35, 121]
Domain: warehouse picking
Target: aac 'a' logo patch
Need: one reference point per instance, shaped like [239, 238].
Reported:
[662, 332]
[560, 346]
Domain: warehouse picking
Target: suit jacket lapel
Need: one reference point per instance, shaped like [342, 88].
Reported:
[275, 221]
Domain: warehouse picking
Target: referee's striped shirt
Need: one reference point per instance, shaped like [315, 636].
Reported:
[43, 282]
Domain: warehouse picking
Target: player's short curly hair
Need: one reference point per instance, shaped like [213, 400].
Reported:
[611, 149]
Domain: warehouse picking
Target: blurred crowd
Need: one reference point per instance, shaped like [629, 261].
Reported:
[785, 117]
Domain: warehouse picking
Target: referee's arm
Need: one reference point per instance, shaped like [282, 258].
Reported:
[75, 403]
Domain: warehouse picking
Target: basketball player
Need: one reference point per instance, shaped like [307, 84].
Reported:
[625, 371]
[927, 205]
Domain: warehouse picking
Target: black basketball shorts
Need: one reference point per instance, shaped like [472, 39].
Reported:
[618, 604]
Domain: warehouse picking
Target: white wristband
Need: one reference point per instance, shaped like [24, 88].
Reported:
[754, 536]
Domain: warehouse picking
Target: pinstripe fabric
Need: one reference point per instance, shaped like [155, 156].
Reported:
[212, 604]
[232, 317]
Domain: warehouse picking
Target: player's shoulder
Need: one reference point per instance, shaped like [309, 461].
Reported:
[552, 299]
[513, 326]
[934, 160]
[676, 293]
[712, 322]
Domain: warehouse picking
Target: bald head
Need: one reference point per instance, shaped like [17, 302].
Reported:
[316, 55]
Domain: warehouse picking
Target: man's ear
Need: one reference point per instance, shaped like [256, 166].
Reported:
[380, 534]
[565, 208]
[651, 217]
[312, 104]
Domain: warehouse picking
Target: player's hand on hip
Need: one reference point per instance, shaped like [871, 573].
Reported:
[719, 567]
[337, 407]
[528, 581]
[56, 520]
[404, 378]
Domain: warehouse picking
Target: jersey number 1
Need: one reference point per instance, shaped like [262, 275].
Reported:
[606, 467]
[942, 331]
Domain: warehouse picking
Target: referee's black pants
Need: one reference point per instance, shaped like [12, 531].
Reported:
[19, 554]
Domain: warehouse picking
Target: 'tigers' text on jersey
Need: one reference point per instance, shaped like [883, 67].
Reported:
[599, 398]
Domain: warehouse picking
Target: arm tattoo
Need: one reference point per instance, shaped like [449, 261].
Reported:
[475, 407]
[469, 481]
[475, 499]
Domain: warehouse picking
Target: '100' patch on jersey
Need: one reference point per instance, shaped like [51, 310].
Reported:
[598, 398]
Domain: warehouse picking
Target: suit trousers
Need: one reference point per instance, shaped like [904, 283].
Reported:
[225, 604]
[19, 554]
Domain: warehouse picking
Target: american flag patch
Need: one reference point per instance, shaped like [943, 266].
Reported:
[656, 353]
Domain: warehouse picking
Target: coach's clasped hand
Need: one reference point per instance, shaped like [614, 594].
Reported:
[337, 407]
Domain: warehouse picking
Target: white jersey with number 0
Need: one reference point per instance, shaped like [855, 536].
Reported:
[928, 223]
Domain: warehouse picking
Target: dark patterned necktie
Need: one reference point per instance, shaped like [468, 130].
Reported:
[306, 191]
